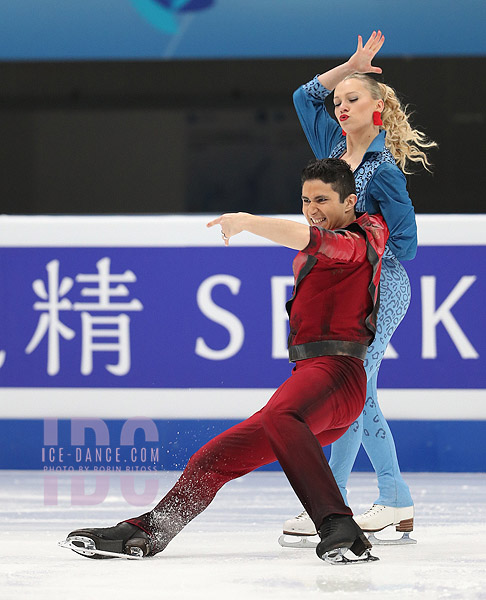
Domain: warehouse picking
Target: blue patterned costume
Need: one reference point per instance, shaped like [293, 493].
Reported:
[381, 188]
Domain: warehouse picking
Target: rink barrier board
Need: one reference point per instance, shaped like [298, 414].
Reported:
[436, 405]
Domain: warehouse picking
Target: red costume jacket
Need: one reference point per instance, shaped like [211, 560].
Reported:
[336, 293]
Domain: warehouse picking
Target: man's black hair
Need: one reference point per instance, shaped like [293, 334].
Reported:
[334, 171]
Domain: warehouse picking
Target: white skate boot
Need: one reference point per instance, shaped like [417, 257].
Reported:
[379, 517]
[297, 531]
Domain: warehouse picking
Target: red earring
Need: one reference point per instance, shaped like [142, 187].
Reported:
[377, 118]
[343, 132]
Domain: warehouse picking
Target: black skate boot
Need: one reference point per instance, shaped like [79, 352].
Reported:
[340, 533]
[123, 541]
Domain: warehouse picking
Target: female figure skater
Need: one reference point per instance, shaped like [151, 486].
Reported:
[374, 137]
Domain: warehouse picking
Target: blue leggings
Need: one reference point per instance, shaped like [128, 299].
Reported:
[371, 428]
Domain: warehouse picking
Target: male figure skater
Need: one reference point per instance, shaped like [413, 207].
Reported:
[332, 316]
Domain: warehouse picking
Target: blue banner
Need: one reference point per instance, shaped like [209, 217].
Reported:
[221, 29]
[212, 318]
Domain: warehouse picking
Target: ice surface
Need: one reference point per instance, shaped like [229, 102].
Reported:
[231, 552]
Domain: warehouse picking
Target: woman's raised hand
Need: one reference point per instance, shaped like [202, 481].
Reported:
[361, 60]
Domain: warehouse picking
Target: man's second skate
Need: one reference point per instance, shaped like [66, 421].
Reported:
[340, 534]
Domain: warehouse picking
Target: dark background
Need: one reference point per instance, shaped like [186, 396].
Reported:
[210, 136]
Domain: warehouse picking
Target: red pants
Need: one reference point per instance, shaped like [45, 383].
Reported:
[311, 409]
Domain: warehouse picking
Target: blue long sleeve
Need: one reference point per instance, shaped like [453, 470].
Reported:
[386, 193]
[321, 130]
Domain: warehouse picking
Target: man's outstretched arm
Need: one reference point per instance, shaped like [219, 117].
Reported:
[282, 231]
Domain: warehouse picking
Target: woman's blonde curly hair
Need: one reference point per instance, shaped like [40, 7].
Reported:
[406, 144]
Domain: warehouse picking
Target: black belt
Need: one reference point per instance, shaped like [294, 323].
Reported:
[327, 348]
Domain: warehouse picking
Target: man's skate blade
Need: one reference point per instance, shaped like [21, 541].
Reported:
[403, 541]
[337, 557]
[85, 547]
[288, 540]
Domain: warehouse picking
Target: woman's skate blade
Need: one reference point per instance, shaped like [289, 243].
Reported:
[379, 541]
[297, 540]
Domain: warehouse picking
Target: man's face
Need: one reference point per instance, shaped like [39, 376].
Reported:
[321, 205]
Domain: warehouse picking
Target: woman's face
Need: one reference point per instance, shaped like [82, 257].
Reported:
[354, 106]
